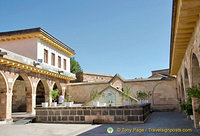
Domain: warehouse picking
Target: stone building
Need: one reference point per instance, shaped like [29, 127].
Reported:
[32, 61]
[91, 77]
[185, 49]
[25, 65]
[161, 84]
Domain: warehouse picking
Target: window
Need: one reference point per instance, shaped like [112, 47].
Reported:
[45, 56]
[53, 59]
[59, 61]
[65, 63]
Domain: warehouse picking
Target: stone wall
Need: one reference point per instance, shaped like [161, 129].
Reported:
[189, 71]
[195, 105]
[123, 114]
[82, 92]
[91, 77]
[8, 76]
[114, 95]
[19, 97]
[164, 95]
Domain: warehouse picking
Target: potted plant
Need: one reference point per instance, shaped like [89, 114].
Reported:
[68, 102]
[189, 111]
[94, 95]
[44, 104]
[54, 95]
[142, 96]
[183, 107]
[193, 93]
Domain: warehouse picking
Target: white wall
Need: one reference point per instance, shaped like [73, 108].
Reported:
[25, 47]
[40, 55]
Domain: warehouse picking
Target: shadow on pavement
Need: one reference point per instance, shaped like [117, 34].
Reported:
[165, 123]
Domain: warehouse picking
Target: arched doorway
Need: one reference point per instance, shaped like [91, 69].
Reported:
[57, 86]
[187, 85]
[3, 98]
[19, 95]
[195, 70]
[182, 94]
[42, 92]
[22, 95]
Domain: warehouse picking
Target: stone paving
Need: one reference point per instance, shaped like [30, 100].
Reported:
[164, 120]
[158, 120]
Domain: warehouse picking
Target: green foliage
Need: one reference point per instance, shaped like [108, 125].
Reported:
[54, 94]
[74, 66]
[69, 98]
[127, 92]
[189, 110]
[110, 102]
[94, 95]
[143, 95]
[183, 106]
[198, 109]
[193, 92]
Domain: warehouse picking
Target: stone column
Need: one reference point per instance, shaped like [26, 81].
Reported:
[3, 105]
[29, 107]
[195, 105]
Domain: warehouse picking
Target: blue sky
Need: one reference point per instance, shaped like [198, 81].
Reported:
[129, 37]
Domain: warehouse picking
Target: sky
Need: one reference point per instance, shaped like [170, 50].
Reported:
[128, 37]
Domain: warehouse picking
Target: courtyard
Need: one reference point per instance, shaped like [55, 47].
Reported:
[164, 120]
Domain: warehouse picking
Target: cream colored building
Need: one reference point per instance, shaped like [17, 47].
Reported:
[160, 84]
[185, 49]
[32, 61]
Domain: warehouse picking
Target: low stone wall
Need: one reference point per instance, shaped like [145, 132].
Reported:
[137, 113]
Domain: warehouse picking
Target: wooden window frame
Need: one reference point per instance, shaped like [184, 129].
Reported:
[53, 59]
[59, 61]
[65, 64]
[45, 56]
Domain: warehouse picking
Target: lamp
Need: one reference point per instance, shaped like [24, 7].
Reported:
[2, 53]
[35, 64]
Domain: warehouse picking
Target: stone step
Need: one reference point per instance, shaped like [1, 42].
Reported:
[24, 121]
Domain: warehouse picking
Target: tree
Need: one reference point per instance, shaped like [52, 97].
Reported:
[74, 66]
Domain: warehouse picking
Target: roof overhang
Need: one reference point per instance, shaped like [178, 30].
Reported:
[16, 64]
[39, 33]
[184, 17]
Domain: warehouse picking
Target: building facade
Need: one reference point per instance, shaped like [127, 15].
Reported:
[31, 62]
[185, 49]
[160, 84]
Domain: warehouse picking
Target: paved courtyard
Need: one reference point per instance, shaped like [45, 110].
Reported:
[168, 121]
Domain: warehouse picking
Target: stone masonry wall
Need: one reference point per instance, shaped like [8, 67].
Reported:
[19, 97]
[82, 92]
[195, 105]
[123, 114]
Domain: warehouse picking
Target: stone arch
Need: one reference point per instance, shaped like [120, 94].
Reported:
[42, 92]
[182, 94]
[23, 88]
[57, 85]
[110, 96]
[195, 70]
[159, 95]
[187, 83]
[3, 96]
